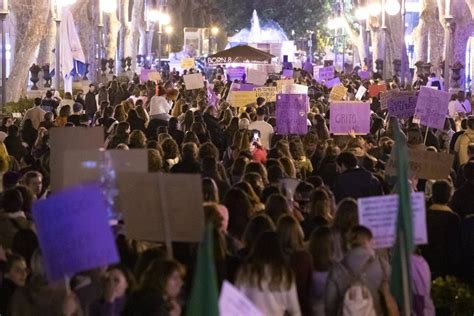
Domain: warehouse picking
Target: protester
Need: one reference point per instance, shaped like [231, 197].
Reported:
[279, 235]
[267, 280]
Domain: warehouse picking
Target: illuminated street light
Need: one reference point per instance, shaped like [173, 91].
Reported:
[214, 31]
[361, 14]
[108, 6]
[392, 7]
[375, 8]
[168, 29]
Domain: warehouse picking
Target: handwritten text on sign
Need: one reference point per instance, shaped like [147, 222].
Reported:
[349, 116]
[432, 107]
[402, 104]
[379, 214]
[323, 73]
[291, 114]
[338, 93]
[268, 93]
[242, 98]
[424, 164]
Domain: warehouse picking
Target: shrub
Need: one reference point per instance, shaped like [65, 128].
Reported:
[452, 297]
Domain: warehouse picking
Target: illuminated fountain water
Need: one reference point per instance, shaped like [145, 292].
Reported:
[270, 32]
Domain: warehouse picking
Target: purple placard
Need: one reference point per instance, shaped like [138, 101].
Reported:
[144, 75]
[401, 104]
[73, 232]
[349, 116]
[308, 67]
[288, 73]
[291, 114]
[432, 107]
[234, 73]
[333, 82]
[247, 87]
[364, 75]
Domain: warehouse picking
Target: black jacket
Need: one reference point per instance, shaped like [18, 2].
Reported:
[356, 183]
[443, 251]
[90, 103]
[186, 166]
[462, 201]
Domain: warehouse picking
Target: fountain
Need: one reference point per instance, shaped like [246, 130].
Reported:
[268, 37]
[271, 32]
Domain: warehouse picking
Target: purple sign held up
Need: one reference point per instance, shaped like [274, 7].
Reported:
[144, 75]
[401, 104]
[333, 82]
[247, 87]
[235, 73]
[288, 73]
[291, 114]
[349, 116]
[364, 75]
[432, 107]
[73, 232]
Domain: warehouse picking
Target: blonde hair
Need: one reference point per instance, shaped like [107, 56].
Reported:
[4, 158]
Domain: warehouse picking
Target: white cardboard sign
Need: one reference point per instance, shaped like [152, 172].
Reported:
[379, 214]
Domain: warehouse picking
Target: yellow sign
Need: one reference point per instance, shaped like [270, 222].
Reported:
[338, 93]
[283, 82]
[154, 75]
[242, 98]
[187, 63]
[268, 93]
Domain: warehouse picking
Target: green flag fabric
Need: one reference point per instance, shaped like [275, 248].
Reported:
[400, 279]
[204, 295]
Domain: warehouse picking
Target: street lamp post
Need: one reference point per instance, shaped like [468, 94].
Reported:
[168, 31]
[3, 16]
[375, 8]
[162, 19]
[447, 40]
[212, 40]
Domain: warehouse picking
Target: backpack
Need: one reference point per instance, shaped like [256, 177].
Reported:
[357, 299]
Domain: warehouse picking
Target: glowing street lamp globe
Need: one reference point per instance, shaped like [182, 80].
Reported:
[153, 15]
[169, 29]
[214, 31]
[374, 8]
[392, 7]
[361, 14]
[108, 6]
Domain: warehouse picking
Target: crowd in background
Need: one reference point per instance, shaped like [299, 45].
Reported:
[290, 253]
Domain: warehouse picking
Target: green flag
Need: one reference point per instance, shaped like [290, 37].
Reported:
[204, 295]
[400, 280]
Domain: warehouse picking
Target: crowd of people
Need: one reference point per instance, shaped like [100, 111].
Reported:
[290, 253]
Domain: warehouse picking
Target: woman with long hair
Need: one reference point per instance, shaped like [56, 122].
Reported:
[346, 218]
[119, 113]
[118, 284]
[291, 240]
[320, 210]
[159, 290]
[240, 211]
[188, 121]
[323, 248]
[266, 279]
